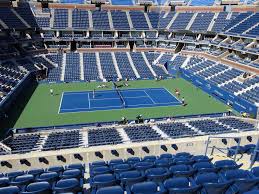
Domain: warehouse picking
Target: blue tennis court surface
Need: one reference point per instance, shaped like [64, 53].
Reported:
[111, 99]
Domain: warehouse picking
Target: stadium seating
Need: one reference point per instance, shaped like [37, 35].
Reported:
[72, 69]
[100, 20]
[138, 20]
[63, 140]
[142, 133]
[202, 22]
[141, 66]
[181, 21]
[124, 65]
[103, 137]
[108, 68]
[120, 21]
[80, 19]
[60, 18]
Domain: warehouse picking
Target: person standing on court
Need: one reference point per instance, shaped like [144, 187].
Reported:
[183, 101]
[51, 92]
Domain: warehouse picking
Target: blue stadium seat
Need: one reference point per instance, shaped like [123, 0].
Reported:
[181, 170]
[146, 188]
[204, 167]
[180, 185]
[67, 185]
[131, 177]
[50, 177]
[212, 183]
[110, 190]
[157, 174]
[103, 180]
[10, 190]
[142, 166]
[226, 165]
[38, 188]
[242, 180]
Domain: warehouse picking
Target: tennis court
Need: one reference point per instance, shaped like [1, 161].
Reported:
[87, 101]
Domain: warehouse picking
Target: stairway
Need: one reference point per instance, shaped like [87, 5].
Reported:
[148, 21]
[213, 21]
[82, 76]
[172, 21]
[191, 21]
[116, 65]
[240, 22]
[110, 20]
[129, 20]
[69, 18]
[99, 67]
[63, 68]
[132, 65]
[91, 26]
[147, 63]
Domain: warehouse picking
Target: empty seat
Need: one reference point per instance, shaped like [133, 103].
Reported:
[100, 170]
[146, 188]
[180, 185]
[201, 158]
[121, 168]
[73, 173]
[36, 171]
[157, 174]
[103, 180]
[149, 158]
[22, 180]
[226, 164]
[10, 190]
[67, 185]
[110, 190]
[181, 170]
[204, 167]
[163, 162]
[212, 183]
[48, 177]
[133, 160]
[131, 177]
[57, 169]
[4, 182]
[142, 166]
[38, 188]
[242, 179]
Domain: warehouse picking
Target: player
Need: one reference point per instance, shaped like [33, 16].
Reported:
[177, 92]
[183, 101]
[51, 92]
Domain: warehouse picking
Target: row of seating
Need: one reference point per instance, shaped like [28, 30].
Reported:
[54, 179]
[90, 67]
[158, 20]
[111, 136]
[180, 173]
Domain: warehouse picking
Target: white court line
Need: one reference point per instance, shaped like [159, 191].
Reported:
[173, 96]
[119, 98]
[118, 109]
[149, 97]
[60, 102]
[89, 103]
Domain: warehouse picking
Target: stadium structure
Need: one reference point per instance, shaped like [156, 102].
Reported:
[129, 96]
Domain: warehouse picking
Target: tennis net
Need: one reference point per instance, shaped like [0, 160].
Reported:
[121, 98]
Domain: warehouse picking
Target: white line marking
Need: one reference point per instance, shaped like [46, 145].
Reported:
[60, 102]
[173, 95]
[149, 97]
[89, 104]
[119, 109]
